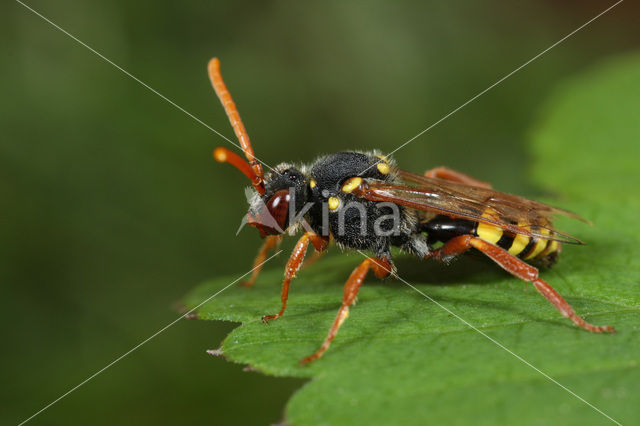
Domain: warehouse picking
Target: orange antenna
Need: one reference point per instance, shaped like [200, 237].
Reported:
[253, 170]
[223, 155]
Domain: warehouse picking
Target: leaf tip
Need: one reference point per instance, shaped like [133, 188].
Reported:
[216, 353]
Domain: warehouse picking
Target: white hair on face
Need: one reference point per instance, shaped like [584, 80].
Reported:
[254, 199]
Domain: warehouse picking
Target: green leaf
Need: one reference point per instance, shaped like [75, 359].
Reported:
[401, 359]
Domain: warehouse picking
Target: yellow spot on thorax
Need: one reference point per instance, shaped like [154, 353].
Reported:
[334, 203]
[312, 183]
[383, 168]
[351, 184]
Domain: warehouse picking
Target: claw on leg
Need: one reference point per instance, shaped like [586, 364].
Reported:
[565, 309]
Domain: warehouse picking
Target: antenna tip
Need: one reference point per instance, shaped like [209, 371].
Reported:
[214, 63]
[220, 154]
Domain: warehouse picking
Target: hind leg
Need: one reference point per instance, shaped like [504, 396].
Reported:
[519, 269]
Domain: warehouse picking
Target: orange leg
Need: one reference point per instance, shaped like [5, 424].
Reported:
[294, 264]
[519, 269]
[313, 258]
[270, 242]
[382, 268]
[451, 248]
[454, 176]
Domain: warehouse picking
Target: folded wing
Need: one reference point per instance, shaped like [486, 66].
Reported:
[509, 212]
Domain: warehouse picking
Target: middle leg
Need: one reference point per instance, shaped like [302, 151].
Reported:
[382, 268]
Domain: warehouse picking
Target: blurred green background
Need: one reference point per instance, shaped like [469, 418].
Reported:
[112, 208]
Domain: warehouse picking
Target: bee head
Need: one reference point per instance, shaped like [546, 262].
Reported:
[285, 194]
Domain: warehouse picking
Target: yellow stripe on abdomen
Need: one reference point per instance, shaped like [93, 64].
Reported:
[527, 248]
[552, 247]
[520, 242]
[487, 232]
[538, 246]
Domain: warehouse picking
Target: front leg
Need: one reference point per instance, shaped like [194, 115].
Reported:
[294, 264]
[271, 242]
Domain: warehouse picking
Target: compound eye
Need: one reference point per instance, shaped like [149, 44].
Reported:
[278, 207]
[274, 220]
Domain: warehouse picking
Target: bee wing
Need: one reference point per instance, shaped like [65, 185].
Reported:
[508, 212]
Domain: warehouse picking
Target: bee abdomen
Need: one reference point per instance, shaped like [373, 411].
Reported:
[530, 249]
[525, 247]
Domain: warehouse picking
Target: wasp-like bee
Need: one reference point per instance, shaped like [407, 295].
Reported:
[363, 201]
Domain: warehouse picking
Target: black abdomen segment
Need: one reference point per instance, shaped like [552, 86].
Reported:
[443, 228]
